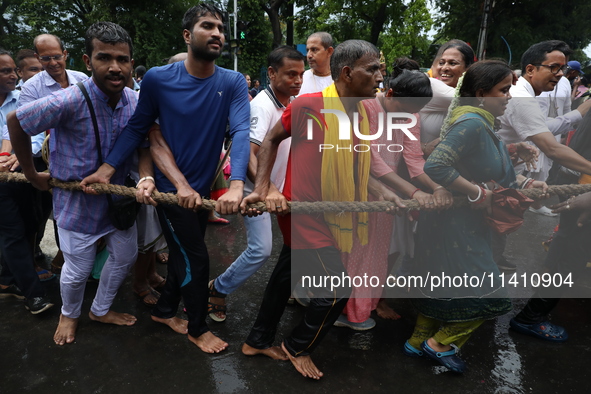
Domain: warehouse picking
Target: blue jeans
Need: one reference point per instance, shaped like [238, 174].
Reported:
[260, 240]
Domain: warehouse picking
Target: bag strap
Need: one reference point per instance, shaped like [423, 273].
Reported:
[96, 128]
[94, 122]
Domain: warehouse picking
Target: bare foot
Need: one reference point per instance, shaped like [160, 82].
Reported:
[275, 352]
[157, 281]
[119, 319]
[162, 257]
[209, 343]
[438, 347]
[304, 365]
[385, 312]
[66, 330]
[177, 325]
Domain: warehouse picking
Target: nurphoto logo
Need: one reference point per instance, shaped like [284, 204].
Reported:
[387, 121]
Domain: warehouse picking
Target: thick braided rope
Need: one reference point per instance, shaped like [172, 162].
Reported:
[295, 207]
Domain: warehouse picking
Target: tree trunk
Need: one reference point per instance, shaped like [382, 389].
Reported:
[273, 11]
[289, 17]
[378, 23]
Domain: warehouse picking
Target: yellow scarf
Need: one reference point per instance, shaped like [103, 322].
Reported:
[468, 109]
[337, 174]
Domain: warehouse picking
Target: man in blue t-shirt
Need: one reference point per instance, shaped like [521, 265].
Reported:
[193, 101]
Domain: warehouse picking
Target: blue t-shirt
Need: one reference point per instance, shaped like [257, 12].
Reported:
[193, 114]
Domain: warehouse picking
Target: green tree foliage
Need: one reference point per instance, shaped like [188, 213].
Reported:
[520, 22]
[397, 27]
[155, 25]
[257, 43]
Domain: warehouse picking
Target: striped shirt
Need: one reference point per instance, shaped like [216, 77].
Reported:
[73, 151]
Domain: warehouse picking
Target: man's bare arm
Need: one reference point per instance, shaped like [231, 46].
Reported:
[266, 158]
[562, 154]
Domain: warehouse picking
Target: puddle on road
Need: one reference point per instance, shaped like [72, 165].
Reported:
[507, 374]
[361, 341]
[226, 376]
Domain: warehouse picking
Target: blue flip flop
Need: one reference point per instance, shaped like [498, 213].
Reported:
[544, 330]
[45, 272]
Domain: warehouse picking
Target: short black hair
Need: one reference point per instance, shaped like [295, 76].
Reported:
[276, 56]
[22, 55]
[484, 75]
[536, 54]
[140, 71]
[403, 63]
[411, 83]
[462, 47]
[109, 33]
[194, 13]
[5, 52]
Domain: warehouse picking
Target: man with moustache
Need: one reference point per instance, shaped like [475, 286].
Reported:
[193, 101]
[50, 52]
[542, 65]
[27, 65]
[315, 242]
[319, 47]
[52, 56]
[82, 219]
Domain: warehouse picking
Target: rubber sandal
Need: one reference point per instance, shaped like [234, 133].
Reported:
[43, 272]
[410, 350]
[160, 285]
[143, 294]
[213, 308]
[448, 359]
[544, 330]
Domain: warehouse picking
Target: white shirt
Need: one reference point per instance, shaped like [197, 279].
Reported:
[523, 117]
[556, 104]
[313, 83]
[433, 114]
[42, 84]
[265, 112]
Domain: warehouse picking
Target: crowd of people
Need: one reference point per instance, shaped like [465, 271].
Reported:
[465, 129]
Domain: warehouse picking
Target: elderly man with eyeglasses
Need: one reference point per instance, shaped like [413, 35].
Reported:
[52, 55]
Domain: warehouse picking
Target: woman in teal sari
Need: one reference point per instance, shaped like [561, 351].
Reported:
[454, 246]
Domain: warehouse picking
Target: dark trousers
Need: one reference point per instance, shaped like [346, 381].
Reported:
[324, 308]
[569, 252]
[188, 266]
[18, 225]
[44, 204]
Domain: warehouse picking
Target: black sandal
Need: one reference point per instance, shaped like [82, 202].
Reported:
[213, 308]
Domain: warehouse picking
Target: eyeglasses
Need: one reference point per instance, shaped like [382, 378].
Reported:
[47, 59]
[555, 68]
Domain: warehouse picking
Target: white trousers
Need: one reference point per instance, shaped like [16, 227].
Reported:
[79, 253]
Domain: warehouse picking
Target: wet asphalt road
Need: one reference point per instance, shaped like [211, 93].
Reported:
[150, 358]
